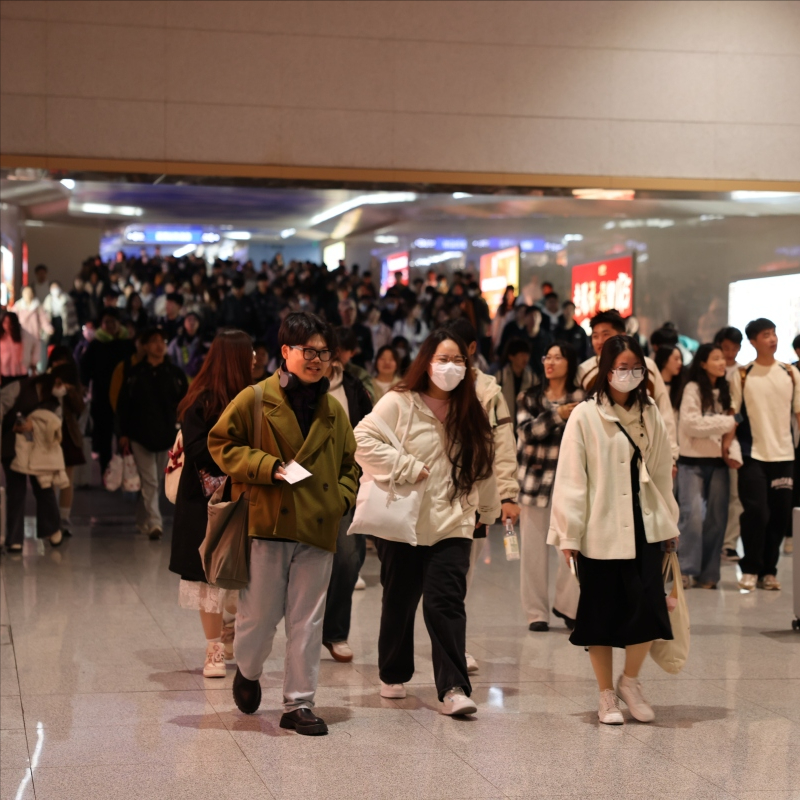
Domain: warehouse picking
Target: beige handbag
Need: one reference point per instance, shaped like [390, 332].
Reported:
[671, 654]
[225, 551]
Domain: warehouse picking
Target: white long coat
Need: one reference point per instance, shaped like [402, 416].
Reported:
[440, 517]
[592, 504]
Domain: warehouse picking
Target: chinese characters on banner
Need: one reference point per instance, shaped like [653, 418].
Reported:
[498, 271]
[602, 285]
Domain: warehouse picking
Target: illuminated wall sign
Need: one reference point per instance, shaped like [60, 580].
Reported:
[173, 234]
[394, 268]
[441, 244]
[601, 285]
[332, 255]
[499, 270]
[526, 245]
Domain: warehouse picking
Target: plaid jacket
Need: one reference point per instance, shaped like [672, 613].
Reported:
[539, 431]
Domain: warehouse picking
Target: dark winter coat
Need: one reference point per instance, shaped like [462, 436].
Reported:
[148, 404]
[191, 505]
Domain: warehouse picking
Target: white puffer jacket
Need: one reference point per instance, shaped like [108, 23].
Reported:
[440, 517]
[592, 503]
[701, 433]
[42, 456]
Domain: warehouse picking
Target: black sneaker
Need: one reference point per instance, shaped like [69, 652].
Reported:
[305, 722]
[568, 621]
[246, 694]
[155, 534]
[539, 627]
[729, 554]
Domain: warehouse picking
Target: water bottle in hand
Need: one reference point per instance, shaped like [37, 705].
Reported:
[511, 542]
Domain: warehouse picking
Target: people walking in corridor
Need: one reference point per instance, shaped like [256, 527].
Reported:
[148, 420]
[543, 413]
[708, 450]
[612, 508]
[448, 449]
[225, 373]
[292, 526]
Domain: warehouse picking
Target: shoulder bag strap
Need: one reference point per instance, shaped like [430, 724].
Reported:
[257, 415]
[635, 447]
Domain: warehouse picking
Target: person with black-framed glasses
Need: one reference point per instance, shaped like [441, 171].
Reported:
[293, 527]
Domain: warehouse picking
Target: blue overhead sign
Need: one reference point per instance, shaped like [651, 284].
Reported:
[494, 243]
[170, 234]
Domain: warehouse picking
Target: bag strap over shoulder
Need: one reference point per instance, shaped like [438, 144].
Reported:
[257, 415]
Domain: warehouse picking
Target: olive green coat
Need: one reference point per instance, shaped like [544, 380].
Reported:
[308, 511]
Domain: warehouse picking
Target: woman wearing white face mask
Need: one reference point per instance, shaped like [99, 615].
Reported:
[612, 508]
[449, 450]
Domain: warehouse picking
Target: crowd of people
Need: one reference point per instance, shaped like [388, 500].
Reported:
[470, 417]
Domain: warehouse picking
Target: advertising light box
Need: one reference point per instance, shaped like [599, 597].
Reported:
[778, 299]
[601, 285]
[498, 271]
[394, 266]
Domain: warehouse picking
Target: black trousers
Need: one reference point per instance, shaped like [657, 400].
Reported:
[48, 515]
[765, 490]
[347, 562]
[437, 574]
[102, 435]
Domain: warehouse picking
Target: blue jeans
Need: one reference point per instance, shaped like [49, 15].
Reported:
[703, 496]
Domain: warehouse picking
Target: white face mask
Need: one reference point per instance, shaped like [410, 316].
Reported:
[59, 391]
[447, 376]
[623, 380]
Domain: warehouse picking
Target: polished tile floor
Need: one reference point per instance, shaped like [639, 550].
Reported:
[101, 696]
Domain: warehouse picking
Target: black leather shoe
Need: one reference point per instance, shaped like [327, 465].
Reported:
[304, 721]
[539, 627]
[568, 621]
[246, 694]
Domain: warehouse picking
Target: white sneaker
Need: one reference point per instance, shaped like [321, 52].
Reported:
[770, 583]
[456, 703]
[360, 584]
[630, 690]
[608, 710]
[748, 582]
[340, 651]
[472, 664]
[215, 661]
[393, 691]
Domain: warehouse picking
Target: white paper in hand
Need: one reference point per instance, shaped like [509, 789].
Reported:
[295, 473]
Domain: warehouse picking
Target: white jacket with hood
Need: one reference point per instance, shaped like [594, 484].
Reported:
[440, 516]
[592, 507]
[42, 455]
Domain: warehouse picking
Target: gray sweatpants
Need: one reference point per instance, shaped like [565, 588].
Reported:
[534, 561]
[287, 580]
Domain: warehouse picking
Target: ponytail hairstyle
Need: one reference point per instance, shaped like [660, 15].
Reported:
[470, 443]
[700, 377]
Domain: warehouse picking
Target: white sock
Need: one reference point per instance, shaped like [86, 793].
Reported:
[214, 641]
[227, 617]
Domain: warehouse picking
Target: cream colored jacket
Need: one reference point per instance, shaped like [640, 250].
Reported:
[440, 517]
[592, 508]
[490, 393]
[656, 388]
[701, 434]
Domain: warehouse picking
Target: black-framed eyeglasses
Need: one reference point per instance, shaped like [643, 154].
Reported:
[636, 372]
[310, 353]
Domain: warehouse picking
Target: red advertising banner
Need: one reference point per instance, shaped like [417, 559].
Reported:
[601, 285]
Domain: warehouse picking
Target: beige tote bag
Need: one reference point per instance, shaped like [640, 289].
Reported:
[671, 655]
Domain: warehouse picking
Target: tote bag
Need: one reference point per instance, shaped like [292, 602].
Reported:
[131, 482]
[225, 551]
[384, 509]
[172, 474]
[671, 654]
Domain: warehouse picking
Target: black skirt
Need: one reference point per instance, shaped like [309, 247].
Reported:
[623, 601]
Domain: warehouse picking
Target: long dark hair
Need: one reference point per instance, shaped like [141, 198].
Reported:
[16, 328]
[469, 436]
[570, 384]
[613, 347]
[700, 377]
[663, 354]
[226, 371]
